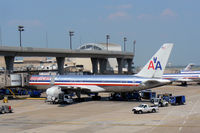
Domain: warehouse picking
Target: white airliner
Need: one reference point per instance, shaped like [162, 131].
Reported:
[149, 77]
[184, 76]
[188, 69]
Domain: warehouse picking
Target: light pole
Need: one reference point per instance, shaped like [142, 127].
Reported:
[134, 42]
[0, 37]
[125, 39]
[71, 33]
[107, 37]
[20, 29]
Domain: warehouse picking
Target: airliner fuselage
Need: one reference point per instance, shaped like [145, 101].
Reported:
[109, 83]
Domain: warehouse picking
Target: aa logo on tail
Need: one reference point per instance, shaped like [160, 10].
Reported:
[154, 64]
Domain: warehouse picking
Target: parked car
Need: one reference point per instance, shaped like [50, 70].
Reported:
[145, 108]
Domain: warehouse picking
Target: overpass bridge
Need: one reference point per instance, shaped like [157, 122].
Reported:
[97, 56]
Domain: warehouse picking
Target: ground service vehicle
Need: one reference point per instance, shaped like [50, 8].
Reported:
[164, 96]
[5, 109]
[145, 108]
[160, 102]
[62, 98]
[1, 96]
[134, 95]
[34, 93]
[56, 95]
[148, 94]
[66, 99]
[126, 96]
[177, 100]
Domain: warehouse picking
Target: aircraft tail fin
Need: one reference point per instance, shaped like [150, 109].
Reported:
[189, 67]
[156, 65]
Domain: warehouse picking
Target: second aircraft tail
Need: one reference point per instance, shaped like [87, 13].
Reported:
[189, 67]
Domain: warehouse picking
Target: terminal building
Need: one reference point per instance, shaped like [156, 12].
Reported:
[111, 66]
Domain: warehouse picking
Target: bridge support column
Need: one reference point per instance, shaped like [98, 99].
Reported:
[60, 63]
[9, 60]
[120, 65]
[103, 64]
[94, 65]
[129, 61]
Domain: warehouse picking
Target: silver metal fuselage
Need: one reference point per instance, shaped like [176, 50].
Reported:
[110, 83]
[183, 76]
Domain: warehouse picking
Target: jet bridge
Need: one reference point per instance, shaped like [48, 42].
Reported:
[13, 80]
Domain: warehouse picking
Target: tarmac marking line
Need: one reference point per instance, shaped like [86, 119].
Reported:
[165, 117]
[16, 105]
[98, 123]
[192, 110]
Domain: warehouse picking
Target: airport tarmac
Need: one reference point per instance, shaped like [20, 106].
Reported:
[36, 116]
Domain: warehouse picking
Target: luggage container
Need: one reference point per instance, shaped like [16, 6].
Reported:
[177, 100]
[148, 94]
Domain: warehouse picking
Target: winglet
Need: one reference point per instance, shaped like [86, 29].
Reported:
[156, 65]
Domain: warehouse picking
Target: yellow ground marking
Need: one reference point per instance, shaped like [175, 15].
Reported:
[16, 105]
[29, 98]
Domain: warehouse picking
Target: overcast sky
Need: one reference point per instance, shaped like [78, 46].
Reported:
[150, 22]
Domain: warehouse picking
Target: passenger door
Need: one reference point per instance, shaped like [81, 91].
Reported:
[145, 108]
